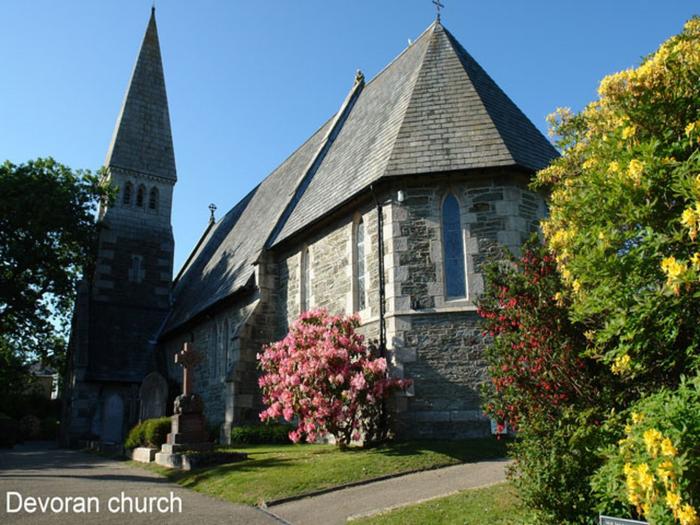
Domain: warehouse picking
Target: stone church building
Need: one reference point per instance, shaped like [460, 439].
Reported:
[389, 210]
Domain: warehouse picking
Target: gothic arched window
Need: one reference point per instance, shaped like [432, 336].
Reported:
[128, 190]
[305, 285]
[140, 195]
[360, 277]
[453, 249]
[153, 199]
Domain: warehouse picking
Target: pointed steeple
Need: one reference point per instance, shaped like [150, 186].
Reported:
[142, 141]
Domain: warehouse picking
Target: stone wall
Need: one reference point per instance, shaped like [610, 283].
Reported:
[435, 341]
[226, 377]
[332, 268]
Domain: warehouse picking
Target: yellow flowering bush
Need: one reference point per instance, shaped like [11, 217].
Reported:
[625, 212]
[624, 231]
[653, 472]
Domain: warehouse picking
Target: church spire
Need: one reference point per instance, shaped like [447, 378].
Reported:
[142, 141]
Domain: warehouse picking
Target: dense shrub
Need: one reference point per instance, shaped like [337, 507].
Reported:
[156, 431]
[135, 437]
[542, 386]
[30, 427]
[148, 433]
[554, 465]
[268, 433]
[49, 428]
[624, 230]
[534, 358]
[654, 470]
[324, 375]
[9, 431]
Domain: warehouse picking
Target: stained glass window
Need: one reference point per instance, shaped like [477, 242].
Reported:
[453, 249]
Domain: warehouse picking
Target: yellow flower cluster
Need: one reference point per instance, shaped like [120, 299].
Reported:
[675, 272]
[695, 260]
[561, 237]
[686, 515]
[629, 131]
[635, 170]
[621, 364]
[576, 286]
[657, 444]
[646, 486]
[691, 220]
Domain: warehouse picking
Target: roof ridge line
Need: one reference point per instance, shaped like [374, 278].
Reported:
[410, 99]
[459, 50]
[189, 259]
[211, 227]
[316, 161]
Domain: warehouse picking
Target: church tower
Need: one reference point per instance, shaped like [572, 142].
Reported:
[120, 310]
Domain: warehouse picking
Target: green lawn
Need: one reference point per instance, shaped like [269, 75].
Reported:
[496, 505]
[278, 471]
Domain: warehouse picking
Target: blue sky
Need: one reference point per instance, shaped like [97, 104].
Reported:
[249, 81]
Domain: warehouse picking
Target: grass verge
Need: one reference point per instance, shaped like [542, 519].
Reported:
[280, 471]
[496, 505]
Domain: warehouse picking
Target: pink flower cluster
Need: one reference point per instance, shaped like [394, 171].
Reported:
[324, 376]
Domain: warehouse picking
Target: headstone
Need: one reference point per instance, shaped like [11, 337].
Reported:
[154, 396]
[188, 429]
[112, 419]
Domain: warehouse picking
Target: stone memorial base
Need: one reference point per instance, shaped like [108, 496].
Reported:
[188, 433]
[144, 454]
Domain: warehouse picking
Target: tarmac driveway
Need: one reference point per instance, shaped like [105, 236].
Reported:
[37, 480]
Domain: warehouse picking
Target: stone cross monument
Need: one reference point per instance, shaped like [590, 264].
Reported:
[188, 358]
[188, 429]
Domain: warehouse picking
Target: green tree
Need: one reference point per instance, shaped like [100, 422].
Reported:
[623, 227]
[625, 210]
[47, 234]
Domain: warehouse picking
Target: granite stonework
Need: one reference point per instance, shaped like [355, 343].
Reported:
[431, 124]
[124, 300]
[433, 341]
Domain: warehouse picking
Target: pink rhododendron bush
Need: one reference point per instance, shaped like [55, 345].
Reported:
[323, 376]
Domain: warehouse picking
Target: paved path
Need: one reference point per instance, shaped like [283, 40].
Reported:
[336, 507]
[36, 470]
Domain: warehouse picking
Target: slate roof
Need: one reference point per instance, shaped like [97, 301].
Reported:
[432, 109]
[225, 259]
[142, 140]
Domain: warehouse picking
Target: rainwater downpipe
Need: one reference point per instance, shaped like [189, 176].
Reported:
[382, 288]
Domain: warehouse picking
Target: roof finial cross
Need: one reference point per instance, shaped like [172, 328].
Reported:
[438, 6]
[212, 209]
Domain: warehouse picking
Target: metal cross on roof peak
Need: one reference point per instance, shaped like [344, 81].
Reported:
[212, 209]
[438, 6]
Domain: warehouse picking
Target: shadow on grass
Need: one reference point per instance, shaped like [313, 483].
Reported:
[465, 450]
[194, 477]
